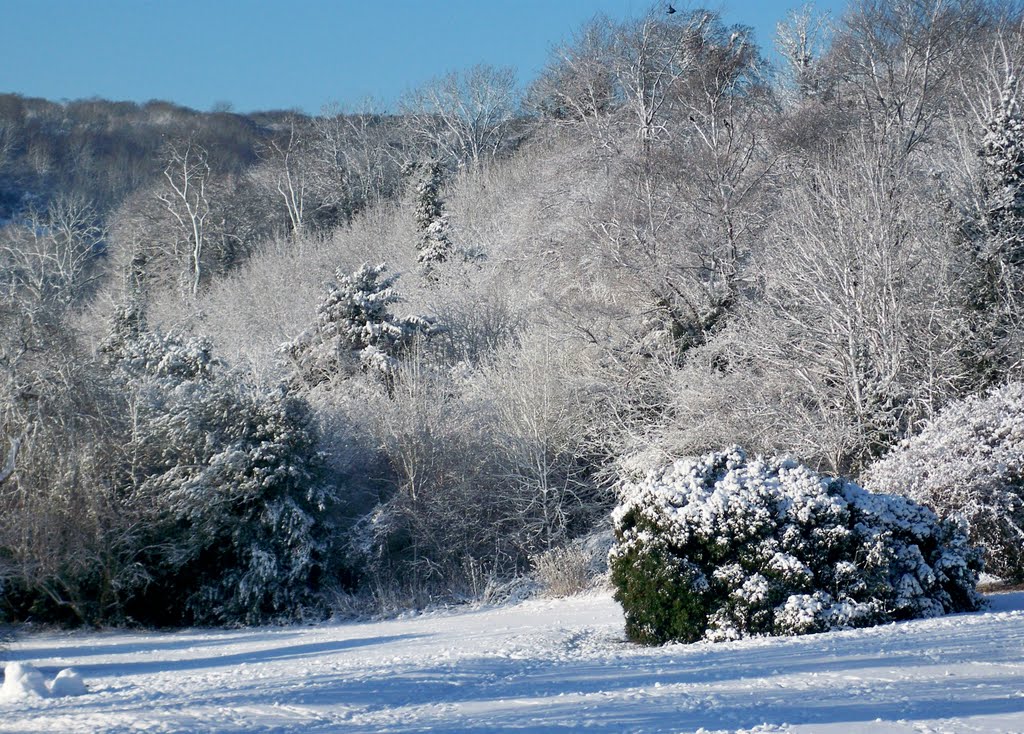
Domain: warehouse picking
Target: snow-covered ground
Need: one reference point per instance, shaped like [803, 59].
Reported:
[537, 666]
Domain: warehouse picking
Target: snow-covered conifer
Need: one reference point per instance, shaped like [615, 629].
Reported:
[435, 243]
[248, 504]
[237, 509]
[355, 329]
[136, 352]
[996, 237]
[1002, 152]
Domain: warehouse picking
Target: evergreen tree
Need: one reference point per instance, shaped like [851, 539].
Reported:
[237, 508]
[355, 329]
[1002, 153]
[435, 244]
[243, 536]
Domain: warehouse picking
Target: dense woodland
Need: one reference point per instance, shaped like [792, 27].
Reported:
[261, 367]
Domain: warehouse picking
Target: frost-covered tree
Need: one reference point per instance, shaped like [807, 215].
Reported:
[135, 352]
[998, 234]
[722, 547]
[241, 506]
[7, 471]
[194, 225]
[464, 117]
[895, 63]
[186, 199]
[577, 87]
[489, 466]
[968, 462]
[306, 169]
[66, 532]
[54, 256]
[855, 332]
[360, 147]
[1002, 152]
[355, 329]
[799, 40]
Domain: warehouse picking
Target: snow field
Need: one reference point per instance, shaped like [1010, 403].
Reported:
[542, 665]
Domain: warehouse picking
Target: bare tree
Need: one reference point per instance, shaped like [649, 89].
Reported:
[185, 197]
[650, 59]
[639, 74]
[58, 513]
[53, 256]
[683, 209]
[578, 86]
[898, 60]
[802, 41]
[7, 141]
[540, 434]
[464, 117]
[857, 333]
[361, 145]
[287, 172]
[300, 173]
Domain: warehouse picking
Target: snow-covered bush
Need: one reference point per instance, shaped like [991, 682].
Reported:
[579, 565]
[240, 507]
[968, 462]
[723, 547]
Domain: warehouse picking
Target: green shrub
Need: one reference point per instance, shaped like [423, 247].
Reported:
[723, 547]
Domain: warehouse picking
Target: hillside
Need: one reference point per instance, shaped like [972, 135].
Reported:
[255, 364]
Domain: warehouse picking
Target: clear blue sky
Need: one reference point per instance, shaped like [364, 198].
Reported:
[278, 54]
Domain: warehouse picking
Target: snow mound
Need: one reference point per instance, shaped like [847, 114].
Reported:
[22, 681]
[68, 683]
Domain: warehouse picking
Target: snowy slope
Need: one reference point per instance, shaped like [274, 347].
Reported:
[538, 666]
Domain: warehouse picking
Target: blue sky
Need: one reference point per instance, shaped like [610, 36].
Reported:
[277, 54]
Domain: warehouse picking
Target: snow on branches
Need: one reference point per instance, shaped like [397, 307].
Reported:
[228, 483]
[968, 462]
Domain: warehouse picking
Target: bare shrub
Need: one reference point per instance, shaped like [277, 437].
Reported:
[563, 571]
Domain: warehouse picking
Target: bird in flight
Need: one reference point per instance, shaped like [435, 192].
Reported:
[671, 9]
